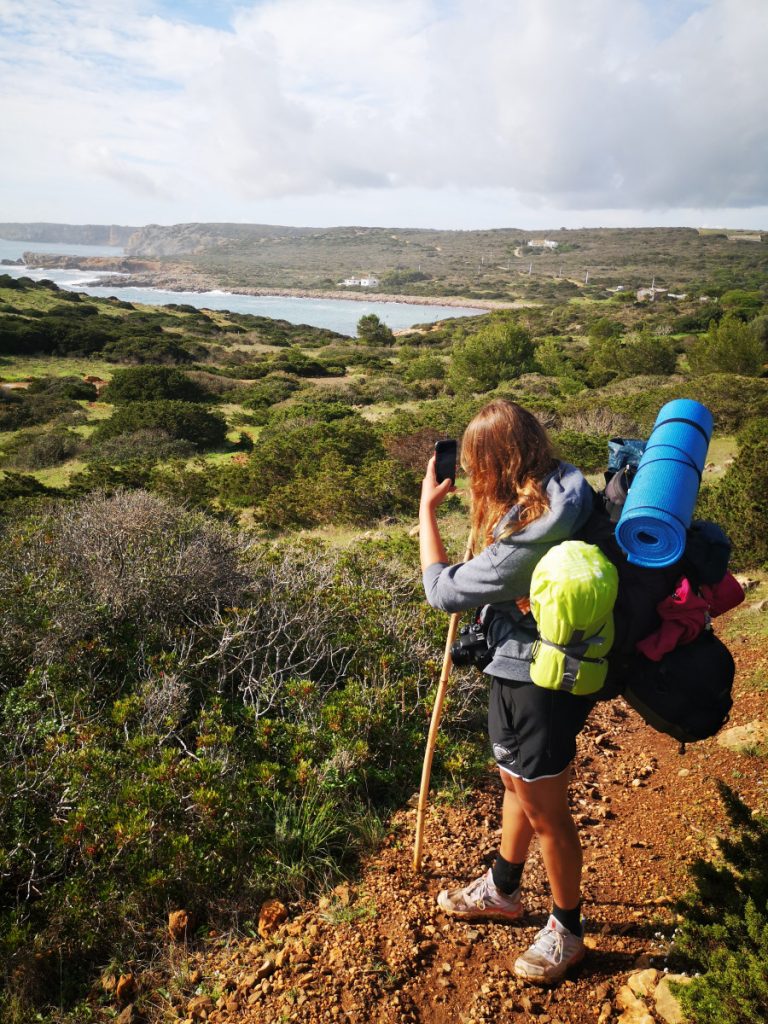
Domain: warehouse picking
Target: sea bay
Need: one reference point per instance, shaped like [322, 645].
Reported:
[339, 314]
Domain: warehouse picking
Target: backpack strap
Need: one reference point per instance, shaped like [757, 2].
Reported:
[575, 653]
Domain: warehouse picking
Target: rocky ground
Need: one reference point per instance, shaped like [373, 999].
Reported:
[378, 949]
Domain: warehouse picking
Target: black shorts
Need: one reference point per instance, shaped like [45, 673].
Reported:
[533, 730]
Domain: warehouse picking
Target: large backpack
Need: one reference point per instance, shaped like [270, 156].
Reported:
[687, 694]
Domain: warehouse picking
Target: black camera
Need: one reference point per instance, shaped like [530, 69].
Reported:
[471, 647]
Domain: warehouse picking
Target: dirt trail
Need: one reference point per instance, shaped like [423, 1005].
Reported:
[378, 950]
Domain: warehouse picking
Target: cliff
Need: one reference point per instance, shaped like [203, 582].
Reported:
[68, 234]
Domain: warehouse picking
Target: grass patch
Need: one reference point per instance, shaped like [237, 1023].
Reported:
[59, 476]
[18, 368]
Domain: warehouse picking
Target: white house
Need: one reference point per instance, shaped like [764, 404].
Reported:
[360, 282]
[542, 243]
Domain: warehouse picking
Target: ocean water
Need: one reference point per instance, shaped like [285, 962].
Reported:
[335, 314]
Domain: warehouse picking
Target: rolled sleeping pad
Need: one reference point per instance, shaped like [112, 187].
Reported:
[657, 513]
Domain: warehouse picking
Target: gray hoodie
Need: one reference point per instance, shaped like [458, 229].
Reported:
[502, 572]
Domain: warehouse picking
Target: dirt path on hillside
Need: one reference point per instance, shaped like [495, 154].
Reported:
[378, 950]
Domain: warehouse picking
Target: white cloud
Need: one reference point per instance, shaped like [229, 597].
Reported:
[555, 104]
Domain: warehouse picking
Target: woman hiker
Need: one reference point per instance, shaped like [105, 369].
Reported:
[523, 502]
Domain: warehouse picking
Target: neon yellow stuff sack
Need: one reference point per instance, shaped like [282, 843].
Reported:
[573, 591]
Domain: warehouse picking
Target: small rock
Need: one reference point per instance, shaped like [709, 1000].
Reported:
[199, 1007]
[759, 607]
[644, 982]
[683, 772]
[667, 1005]
[605, 1012]
[746, 582]
[744, 737]
[177, 925]
[272, 914]
[266, 969]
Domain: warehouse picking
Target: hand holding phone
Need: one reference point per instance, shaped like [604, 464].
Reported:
[445, 461]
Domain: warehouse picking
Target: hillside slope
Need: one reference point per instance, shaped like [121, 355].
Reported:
[378, 950]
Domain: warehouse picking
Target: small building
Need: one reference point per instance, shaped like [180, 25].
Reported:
[650, 294]
[542, 243]
[745, 236]
[360, 282]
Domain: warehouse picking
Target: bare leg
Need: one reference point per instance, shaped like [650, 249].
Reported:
[545, 804]
[516, 829]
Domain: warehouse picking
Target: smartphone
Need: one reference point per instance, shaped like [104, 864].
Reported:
[445, 461]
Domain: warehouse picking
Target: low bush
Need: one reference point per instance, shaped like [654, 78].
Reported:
[187, 421]
[64, 387]
[25, 410]
[150, 445]
[319, 464]
[738, 501]
[191, 720]
[38, 449]
[725, 924]
[587, 451]
[153, 383]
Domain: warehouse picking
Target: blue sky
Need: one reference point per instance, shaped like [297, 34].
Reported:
[444, 113]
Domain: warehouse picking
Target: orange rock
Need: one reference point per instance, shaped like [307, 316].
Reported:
[178, 920]
[272, 914]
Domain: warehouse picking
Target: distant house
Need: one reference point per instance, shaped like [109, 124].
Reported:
[649, 294]
[542, 243]
[745, 237]
[360, 282]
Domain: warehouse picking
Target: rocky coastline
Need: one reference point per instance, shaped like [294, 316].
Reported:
[180, 277]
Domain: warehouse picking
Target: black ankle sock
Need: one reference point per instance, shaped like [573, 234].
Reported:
[506, 875]
[570, 919]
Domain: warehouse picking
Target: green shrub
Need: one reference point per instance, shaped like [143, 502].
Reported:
[150, 445]
[27, 410]
[729, 347]
[271, 389]
[739, 503]
[19, 485]
[38, 449]
[496, 353]
[320, 464]
[184, 420]
[190, 720]
[64, 387]
[587, 451]
[374, 331]
[153, 383]
[153, 350]
[724, 931]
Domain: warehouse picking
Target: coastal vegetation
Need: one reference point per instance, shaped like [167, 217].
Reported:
[216, 664]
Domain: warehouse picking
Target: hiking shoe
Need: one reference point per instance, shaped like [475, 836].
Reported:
[554, 950]
[481, 901]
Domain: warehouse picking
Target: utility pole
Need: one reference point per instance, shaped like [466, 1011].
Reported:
[586, 278]
[530, 268]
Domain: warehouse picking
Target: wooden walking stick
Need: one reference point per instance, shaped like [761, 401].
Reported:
[434, 725]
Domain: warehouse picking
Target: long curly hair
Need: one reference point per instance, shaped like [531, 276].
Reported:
[507, 454]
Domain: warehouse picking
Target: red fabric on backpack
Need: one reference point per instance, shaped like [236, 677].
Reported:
[683, 617]
[724, 595]
[686, 613]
